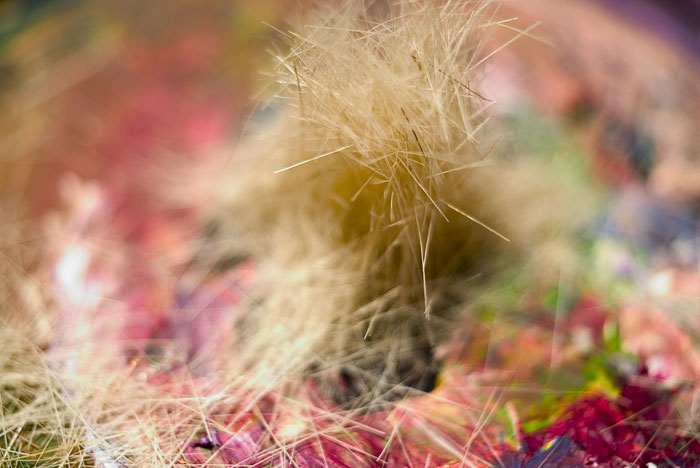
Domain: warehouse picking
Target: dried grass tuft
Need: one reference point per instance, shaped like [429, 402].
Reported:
[375, 196]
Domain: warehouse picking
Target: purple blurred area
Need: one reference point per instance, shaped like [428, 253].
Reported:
[675, 20]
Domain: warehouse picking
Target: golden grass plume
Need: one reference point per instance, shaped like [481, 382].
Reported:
[374, 196]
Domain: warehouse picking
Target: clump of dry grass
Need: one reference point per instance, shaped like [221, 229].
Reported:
[375, 196]
[34, 424]
[68, 397]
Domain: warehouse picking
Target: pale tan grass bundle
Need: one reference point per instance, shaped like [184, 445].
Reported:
[68, 396]
[375, 197]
